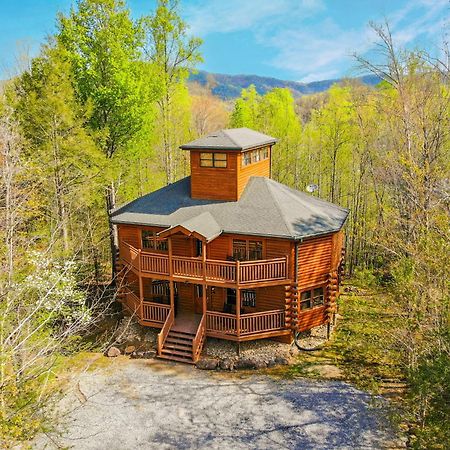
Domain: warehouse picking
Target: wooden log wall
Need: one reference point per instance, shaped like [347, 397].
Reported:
[318, 263]
[314, 261]
[214, 183]
[258, 169]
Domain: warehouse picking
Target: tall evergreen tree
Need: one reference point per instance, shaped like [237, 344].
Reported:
[66, 163]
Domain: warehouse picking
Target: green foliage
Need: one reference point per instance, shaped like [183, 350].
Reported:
[59, 151]
[42, 314]
[172, 53]
[429, 397]
[273, 114]
[104, 46]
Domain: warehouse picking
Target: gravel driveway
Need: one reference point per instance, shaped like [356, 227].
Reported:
[148, 404]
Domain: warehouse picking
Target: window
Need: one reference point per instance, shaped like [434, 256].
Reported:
[311, 298]
[239, 250]
[254, 156]
[254, 250]
[247, 250]
[151, 241]
[160, 287]
[231, 296]
[249, 298]
[199, 290]
[198, 247]
[213, 160]
[160, 292]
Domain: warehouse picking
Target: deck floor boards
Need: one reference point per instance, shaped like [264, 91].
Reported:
[186, 322]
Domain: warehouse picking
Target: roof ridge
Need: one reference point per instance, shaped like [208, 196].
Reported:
[269, 188]
[294, 192]
[224, 131]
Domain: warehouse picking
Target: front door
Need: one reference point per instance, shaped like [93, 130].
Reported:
[198, 299]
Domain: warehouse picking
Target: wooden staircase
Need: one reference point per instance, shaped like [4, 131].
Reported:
[182, 344]
[178, 346]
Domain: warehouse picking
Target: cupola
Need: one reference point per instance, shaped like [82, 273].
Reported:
[222, 162]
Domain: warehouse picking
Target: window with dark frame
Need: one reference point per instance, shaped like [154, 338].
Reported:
[198, 247]
[254, 250]
[151, 241]
[311, 298]
[216, 160]
[249, 298]
[247, 250]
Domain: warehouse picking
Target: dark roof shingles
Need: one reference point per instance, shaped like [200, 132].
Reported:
[266, 208]
[231, 139]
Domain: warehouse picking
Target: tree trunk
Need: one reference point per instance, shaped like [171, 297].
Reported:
[113, 237]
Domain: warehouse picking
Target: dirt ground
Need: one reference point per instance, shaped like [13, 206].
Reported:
[151, 404]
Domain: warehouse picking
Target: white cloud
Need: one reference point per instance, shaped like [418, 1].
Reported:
[312, 49]
[321, 50]
[317, 53]
[223, 16]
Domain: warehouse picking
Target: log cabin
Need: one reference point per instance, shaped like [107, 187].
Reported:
[228, 252]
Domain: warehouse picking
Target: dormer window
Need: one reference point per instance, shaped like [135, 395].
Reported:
[213, 160]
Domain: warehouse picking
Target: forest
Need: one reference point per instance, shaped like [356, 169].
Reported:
[96, 119]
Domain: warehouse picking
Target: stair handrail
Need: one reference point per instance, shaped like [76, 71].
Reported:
[162, 335]
[197, 343]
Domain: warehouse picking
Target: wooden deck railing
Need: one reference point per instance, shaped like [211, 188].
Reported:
[187, 267]
[220, 270]
[263, 270]
[221, 323]
[132, 302]
[199, 339]
[154, 263]
[253, 323]
[215, 270]
[154, 312]
[262, 321]
[162, 335]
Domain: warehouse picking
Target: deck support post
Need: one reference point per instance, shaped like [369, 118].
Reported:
[141, 289]
[204, 306]
[171, 284]
[238, 301]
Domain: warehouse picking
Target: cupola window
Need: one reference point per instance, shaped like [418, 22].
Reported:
[213, 160]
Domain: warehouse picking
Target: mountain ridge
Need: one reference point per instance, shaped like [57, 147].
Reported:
[228, 87]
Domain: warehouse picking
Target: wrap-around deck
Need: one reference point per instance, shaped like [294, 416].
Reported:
[218, 324]
[214, 272]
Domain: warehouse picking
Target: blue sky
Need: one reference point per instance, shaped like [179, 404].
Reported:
[302, 40]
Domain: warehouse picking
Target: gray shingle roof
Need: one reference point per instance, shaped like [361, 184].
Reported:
[203, 224]
[266, 208]
[231, 139]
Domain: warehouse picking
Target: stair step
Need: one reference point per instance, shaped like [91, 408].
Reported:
[182, 333]
[177, 358]
[167, 351]
[170, 345]
[179, 339]
[173, 340]
[170, 340]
